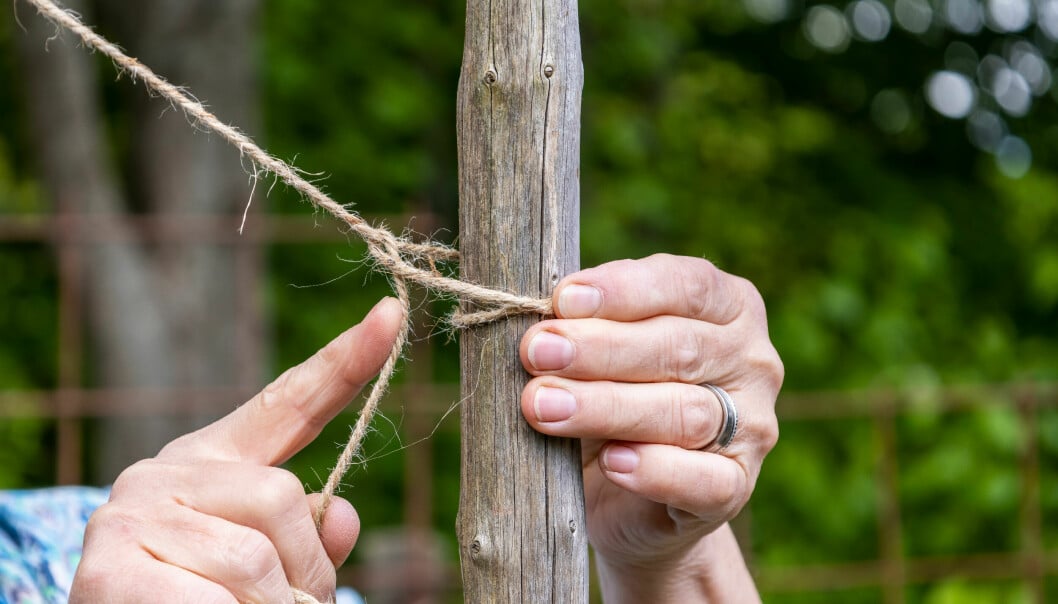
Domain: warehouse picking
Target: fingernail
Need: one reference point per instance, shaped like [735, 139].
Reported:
[548, 351]
[554, 404]
[578, 301]
[620, 459]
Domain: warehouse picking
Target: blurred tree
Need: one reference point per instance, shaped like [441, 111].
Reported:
[162, 314]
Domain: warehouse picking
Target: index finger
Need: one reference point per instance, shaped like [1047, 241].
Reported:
[662, 284]
[291, 411]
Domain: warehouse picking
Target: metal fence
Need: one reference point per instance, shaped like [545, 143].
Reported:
[409, 572]
[893, 571]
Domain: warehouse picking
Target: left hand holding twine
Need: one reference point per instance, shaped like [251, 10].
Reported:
[623, 369]
[211, 520]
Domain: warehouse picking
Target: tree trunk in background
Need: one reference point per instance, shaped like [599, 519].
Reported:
[169, 313]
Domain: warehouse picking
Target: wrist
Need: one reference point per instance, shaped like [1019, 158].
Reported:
[713, 570]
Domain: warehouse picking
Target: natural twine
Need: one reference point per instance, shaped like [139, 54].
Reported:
[397, 256]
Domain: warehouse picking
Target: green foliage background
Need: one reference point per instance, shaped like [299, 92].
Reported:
[900, 262]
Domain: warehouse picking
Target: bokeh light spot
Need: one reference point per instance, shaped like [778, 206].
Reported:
[985, 130]
[914, 16]
[964, 16]
[1027, 60]
[870, 20]
[1012, 92]
[891, 111]
[826, 28]
[988, 69]
[1047, 18]
[1013, 157]
[960, 56]
[951, 94]
[767, 11]
[1009, 15]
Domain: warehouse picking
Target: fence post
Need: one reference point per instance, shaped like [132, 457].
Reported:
[521, 516]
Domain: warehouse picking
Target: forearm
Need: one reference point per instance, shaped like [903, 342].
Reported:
[714, 572]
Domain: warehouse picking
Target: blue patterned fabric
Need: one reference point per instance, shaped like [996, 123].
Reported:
[40, 541]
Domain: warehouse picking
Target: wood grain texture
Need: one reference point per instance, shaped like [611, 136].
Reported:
[521, 518]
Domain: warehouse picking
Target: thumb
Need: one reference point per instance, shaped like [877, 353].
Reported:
[339, 529]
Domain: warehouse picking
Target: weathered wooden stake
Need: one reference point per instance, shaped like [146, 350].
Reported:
[521, 516]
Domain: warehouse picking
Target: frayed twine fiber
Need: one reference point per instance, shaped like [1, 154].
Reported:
[394, 255]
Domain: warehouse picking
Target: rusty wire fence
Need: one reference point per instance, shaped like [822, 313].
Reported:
[408, 567]
[1029, 562]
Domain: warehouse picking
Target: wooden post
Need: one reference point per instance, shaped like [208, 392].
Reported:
[521, 521]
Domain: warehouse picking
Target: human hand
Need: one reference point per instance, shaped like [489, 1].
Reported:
[211, 520]
[622, 369]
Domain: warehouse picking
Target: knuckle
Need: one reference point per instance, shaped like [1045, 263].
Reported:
[274, 394]
[189, 445]
[751, 296]
[699, 355]
[124, 484]
[767, 367]
[286, 392]
[725, 487]
[322, 577]
[769, 435]
[252, 559]
[112, 521]
[691, 289]
[106, 515]
[715, 295]
[730, 490]
[133, 478]
[279, 493]
[694, 418]
[332, 353]
[659, 257]
[696, 292]
[685, 360]
[750, 302]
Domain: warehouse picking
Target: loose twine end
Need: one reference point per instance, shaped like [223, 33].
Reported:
[397, 256]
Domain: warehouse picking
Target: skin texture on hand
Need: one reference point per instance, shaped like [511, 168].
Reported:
[621, 369]
[211, 520]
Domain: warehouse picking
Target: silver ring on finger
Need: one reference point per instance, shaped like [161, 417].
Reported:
[729, 419]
